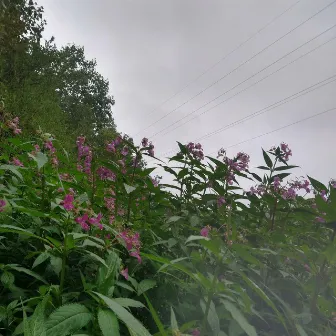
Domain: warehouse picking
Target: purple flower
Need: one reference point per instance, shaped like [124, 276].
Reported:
[220, 201]
[144, 142]
[196, 332]
[124, 273]
[290, 193]
[106, 174]
[68, 202]
[2, 205]
[323, 194]
[83, 222]
[17, 162]
[276, 183]
[195, 150]
[205, 231]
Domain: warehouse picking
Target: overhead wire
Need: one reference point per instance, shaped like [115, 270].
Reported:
[268, 108]
[223, 58]
[243, 63]
[243, 90]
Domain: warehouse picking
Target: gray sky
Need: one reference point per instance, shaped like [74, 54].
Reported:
[150, 49]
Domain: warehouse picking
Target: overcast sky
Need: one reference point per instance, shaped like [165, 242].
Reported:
[151, 49]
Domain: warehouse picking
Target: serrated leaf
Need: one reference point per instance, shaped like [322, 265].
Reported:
[126, 302]
[128, 319]
[67, 319]
[240, 318]
[13, 169]
[7, 279]
[145, 285]
[108, 323]
[37, 321]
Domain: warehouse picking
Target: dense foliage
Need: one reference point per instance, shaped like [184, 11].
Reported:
[101, 248]
[92, 244]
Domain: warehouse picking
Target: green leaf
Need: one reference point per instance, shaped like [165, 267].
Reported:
[285, 168]
[173, 219]
[317, 185]
[108, 323]
[37, 321]
[263, 168]
[122, 284]
[40, 158]
[18, 230]
[300, 330]
[129, 188]
[127, 318]
[281, 176]
[173, 322]
[29, 272]
[240, 318]
[126, 302]
[267, 159]
[192, 238]
[40, 259]
[257, 177]
[95, 256]
[7, 279]
[56, 264]
[145, 285]
[212, 317]
[155, 317]
[13, 169]
[67, 319]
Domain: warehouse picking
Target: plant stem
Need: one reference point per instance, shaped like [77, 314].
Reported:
[64, 260]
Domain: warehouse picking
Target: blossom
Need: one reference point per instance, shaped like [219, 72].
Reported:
[290, 193]
[17, 162]
[259, 190]
[84, 152]
[132, 243]
[83, 222]
[221, 152]
[205, 231]
[106, 174]
[2, 205]
[307, 267]
[110, 203]
[144, 142]
[14, 126]
[333, 183]
[320, 219]
[68, 202]
[111, 219]
[124, 273]
[323, 194]
[124, 151]
[195, 150]
[276, 183]
[136, 254]
[49, 145]
[155, 181]
[220, 201]
[286, 151]
[301, 185]
[151, 149]
[196, 332]
[96, 221]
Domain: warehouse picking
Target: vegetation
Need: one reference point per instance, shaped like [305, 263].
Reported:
[92, 244]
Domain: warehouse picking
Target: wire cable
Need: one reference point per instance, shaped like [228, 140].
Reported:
[268, 108]
[224, 57]
[239, 92]
[241, 64]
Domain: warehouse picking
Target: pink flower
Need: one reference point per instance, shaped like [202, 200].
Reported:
[110, 203]
[220, 201]
[106, 174]
[196, 332]
[323, 194]
[83, 222]
[144, 142]
[320, 219]
[333, 183]
[289, 194]
[96, 221]
[155, 181]
[124, 151]
[111, 219]
[136, 255]
[17, 162]
[68, 202]
[14, 126]
[2, 205]
[124, 273]
[205, 231]
[60, 190]
[195, 150]
[276, 183]
[49, 145]
[307, 267]
[286, 152]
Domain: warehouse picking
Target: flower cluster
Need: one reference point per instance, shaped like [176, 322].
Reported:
[146, 143]
[68, 202]
[238, 164]
[289, 193]
[52, 150]
[283, 151]
[84, 221]
[106, 174]
[205, 231]
[195, 150]
[301, 185]
[155, 180]
[14, 125]
[85, 152]
[132, 243]
[2, 205]
[258, 190]
[112, 146]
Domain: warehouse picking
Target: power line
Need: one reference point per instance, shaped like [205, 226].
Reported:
[239, 66]
[224, 57]
[239, 92]
[270, 107]
[280, 128]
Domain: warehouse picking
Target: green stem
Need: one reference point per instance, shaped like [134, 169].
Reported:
[64, 261]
